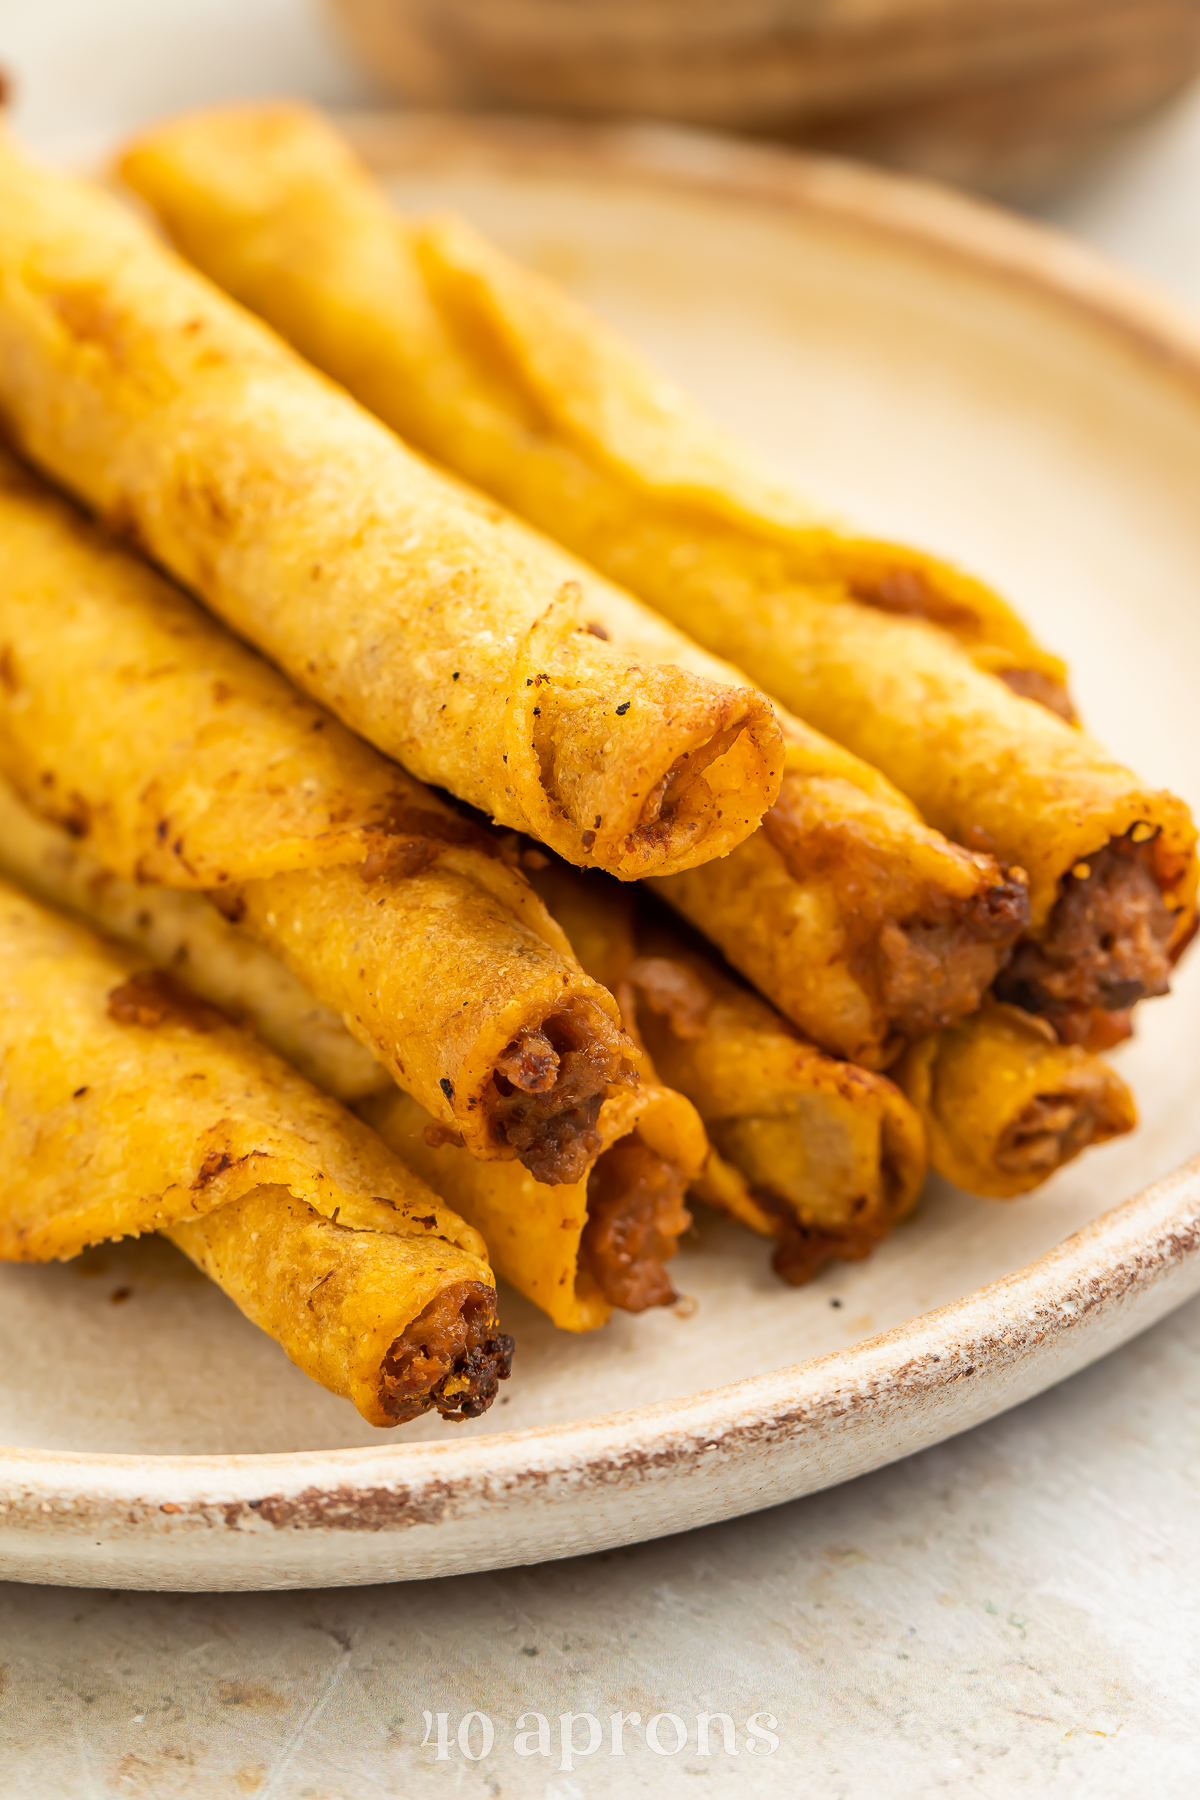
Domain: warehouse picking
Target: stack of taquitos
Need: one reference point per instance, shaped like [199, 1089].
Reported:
[822, 1155]
[130, 1106]
[345, 557]
[868, 930]
[132, 718]
[577, 1249]
[93, 346]
[429, 944]
[896, 656]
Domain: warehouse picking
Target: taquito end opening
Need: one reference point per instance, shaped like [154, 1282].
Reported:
[1108, 942]
[709, 800]
[635, 1217]
[451, 1357]
[548, 1085]
[1088, 1106]
[648, 770]
[934, 969]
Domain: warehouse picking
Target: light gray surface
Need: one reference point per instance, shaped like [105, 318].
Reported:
[1011, 1613]
[1015, 1612]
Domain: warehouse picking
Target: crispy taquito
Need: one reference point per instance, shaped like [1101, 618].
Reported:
[577, 1249]
[917, 668]
[865, 927]
[130, 1105]
[133, 718]
[815, 1152]
[344, 556]
[1006, 1105]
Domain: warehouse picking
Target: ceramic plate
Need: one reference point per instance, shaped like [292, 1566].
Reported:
[934, 371]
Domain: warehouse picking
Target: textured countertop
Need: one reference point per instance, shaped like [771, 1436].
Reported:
[1015, 1612]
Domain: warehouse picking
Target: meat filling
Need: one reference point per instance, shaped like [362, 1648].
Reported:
[923, 957]
[1049, 1131]
[1107, 945]
[933, 972]
[1042, 689]
[451, 1358]
[635, 1217]
[906, 594]
[549, 1085]
[151, 998]
[802, 1251]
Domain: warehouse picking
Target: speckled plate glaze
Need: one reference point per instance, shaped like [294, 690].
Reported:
[936, 371]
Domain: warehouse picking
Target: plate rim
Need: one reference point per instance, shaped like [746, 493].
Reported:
[1097, 1287]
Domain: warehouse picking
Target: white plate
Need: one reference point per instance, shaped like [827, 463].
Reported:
[936, 371]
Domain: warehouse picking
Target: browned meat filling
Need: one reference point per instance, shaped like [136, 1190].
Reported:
[906, 594]
[1049, 1132]
[1107, 945]
[152, 998]
[548, 1088]
[530, 1062]
[451, 1358]
[932, 972]
[1107, 1028]
[635, 1217]
[925, 958]
[1036, 685]
[802, 1253]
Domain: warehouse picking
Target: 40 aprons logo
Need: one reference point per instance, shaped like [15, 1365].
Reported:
[583, 1734]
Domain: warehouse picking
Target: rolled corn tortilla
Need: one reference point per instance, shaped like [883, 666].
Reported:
[184, 934]
[1006, 1105]
[821, 1155]
[129, 1105]
[346, 558]
[577, 1249]
[498, 374]
[135, 720]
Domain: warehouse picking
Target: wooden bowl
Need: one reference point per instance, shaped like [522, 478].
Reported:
[1006, 95]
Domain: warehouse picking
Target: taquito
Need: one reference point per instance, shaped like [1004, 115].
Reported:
[916, 668]
[817, 1153]
[1005, 1105]
[344, 556]
[133, 718]
[577, 1249]
[496, 373]
[131, 1106]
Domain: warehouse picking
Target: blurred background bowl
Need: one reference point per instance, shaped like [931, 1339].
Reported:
[1004, 95]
